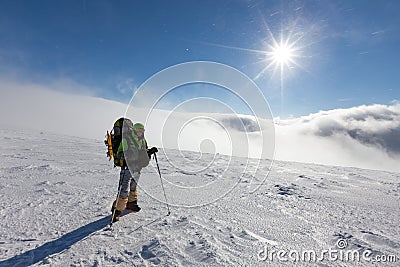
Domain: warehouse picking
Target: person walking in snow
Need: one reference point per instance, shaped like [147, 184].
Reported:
[133, 150]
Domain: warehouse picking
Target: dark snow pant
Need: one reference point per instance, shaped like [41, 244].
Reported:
[128, 182]
[127, 188]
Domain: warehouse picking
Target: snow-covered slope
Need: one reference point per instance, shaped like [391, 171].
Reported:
[56, 192]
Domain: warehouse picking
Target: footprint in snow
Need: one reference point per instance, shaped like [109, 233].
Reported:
[183, 220]
[201, 249]
[285, 190]
[147, 252]
[43, 183]
[246, 234]
[350, 242]
[378, 240]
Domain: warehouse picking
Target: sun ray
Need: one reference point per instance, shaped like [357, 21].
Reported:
[282, 52]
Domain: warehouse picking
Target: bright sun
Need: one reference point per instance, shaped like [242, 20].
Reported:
[282, 54]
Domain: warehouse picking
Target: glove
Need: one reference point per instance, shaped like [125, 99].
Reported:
[151, 151]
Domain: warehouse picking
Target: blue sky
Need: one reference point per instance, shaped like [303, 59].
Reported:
[347, 53]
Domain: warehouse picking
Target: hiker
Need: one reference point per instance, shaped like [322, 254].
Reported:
[134, 155]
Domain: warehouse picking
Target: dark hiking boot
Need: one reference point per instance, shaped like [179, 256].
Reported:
[133, 206]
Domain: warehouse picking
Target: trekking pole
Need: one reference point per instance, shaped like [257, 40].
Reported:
[116, 200]
[162, 184]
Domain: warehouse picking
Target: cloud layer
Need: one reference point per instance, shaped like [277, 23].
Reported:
[37, 107]
[376, 125]
[364, 136]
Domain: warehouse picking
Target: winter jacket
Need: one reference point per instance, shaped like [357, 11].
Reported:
[134, 149]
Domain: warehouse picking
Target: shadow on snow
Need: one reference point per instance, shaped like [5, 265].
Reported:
[56, 246]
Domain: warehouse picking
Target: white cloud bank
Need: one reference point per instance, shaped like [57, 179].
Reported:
[32, 106]
[364, 136]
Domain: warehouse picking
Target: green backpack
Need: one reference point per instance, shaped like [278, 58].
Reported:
[113, 139]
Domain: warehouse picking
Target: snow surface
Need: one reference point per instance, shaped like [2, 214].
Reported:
[56, 193]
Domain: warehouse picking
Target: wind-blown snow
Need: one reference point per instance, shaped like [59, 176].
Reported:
[56, 192]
